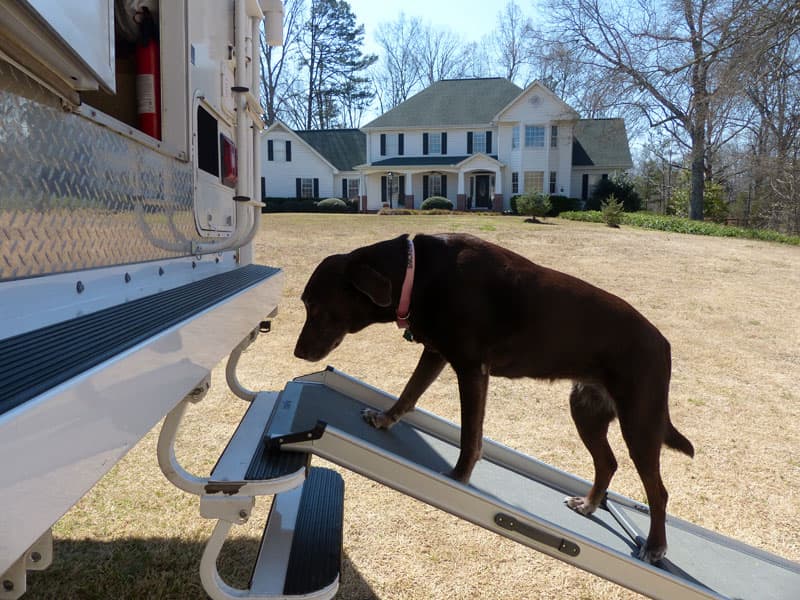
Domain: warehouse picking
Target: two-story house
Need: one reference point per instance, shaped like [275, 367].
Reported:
[477, 142]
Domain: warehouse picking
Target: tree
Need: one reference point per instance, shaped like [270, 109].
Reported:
[277, 74]
[397, 73]
[333, 63]
[442, 55]
[510, 42]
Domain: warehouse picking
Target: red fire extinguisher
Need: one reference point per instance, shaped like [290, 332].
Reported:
[148, 75]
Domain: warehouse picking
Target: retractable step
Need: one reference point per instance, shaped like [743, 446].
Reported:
[519, 497]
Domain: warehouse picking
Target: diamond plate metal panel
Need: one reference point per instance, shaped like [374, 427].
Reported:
[75, 195]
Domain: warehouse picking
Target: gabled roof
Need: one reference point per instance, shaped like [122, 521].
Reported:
[343, 148]
[451, 102]
[601, 143]
[537, 89]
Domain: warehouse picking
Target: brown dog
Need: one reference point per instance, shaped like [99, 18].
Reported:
[488, 311]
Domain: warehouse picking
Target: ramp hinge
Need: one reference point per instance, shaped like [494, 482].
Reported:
[562, 545]
[276, 441]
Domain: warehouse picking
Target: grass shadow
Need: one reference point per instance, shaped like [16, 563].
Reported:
[159, 568]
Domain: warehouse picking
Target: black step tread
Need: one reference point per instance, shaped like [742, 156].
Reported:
[315, 559]
[36, 361]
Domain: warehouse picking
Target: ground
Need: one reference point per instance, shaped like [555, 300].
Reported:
[728, 307]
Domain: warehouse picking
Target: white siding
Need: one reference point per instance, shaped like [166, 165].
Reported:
[280, 175]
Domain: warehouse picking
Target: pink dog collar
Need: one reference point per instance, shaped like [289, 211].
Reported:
[404, 308]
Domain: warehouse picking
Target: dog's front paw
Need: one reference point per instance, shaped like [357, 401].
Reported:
[652, 555]
[580, 504]
[376, 418]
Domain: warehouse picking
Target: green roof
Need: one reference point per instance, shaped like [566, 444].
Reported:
[343, 148]
[451, 102]
[601, 143]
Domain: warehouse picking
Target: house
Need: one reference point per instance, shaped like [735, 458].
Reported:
[477, 142]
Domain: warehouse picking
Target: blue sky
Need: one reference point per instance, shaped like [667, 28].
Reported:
[471, 19]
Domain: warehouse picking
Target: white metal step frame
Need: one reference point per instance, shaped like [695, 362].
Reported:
[473, 505]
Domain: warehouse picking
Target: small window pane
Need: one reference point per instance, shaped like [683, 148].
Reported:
[306, 188]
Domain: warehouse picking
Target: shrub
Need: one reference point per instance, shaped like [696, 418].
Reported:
[534, 205]
[612, 211]
[332, 204]
[714, 206]
[621, 187]
[436, 202]
[513, 204]
[562, 203]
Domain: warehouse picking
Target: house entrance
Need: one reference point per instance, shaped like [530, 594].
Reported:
[483, 192]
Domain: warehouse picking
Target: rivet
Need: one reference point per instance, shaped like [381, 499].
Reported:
[243, 514]
[36, 556]
[194, 265]
[127, 277]
[160, 271]
[80, 287]
[8, 585]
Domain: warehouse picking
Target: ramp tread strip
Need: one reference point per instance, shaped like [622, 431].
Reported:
[315, 558]
[37, 361]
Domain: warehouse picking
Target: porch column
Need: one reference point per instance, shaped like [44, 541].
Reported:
[409, 191]
[497, 201]
[461, 197]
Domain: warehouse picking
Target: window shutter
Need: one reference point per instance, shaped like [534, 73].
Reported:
[288, 151]
[297, 188]
[444, 142]
[263, 188]
[424, 187]
[488, 142]
[269, 150]
[444, 186]
[383, 144]
[344, 189]
[469, 142]
[424, 143]
[383, 189]
[401, 193]
[316, 187]
[400, 143]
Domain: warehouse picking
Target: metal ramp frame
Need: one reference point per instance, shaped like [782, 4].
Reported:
[519, 497]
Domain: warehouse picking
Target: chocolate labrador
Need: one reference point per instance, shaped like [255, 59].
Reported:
[488, 311]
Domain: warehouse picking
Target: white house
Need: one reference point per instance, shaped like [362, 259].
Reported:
[477, 142]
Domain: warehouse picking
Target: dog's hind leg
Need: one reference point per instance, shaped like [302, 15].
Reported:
[592, 411]
[429, 367]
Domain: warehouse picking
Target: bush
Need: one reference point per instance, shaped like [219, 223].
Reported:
[439, 202]
[513, 204]
[714, 205]
[621, 187]
[332, 204]
[534, 205]
[562, 203]
[612, 211]
[274, 205]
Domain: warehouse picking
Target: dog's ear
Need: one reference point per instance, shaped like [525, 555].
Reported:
[371, 283]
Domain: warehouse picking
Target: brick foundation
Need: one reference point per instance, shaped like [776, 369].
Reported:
[461, 202]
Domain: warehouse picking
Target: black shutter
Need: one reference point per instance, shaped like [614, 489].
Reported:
[400, 143]
[424, 143]
[383, 189]
[424, 187]
[383, 144]
[401, 193]
[344, 189]
[469, 142]
[288, 151]
[269, 150]
[444, 186]
[297, 188]
[488, 142]
[316, 187]
[444, 142]
[263, 188]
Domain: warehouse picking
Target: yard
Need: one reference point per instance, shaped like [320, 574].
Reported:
[728, 306]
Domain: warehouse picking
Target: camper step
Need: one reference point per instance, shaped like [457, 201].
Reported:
[301, 551]
[249, 465]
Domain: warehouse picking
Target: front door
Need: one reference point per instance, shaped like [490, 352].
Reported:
[483, 192]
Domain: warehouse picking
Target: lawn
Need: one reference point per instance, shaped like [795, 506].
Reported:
[728, 306]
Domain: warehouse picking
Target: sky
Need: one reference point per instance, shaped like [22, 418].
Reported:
[471, 19]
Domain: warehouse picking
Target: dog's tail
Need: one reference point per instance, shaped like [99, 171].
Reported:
[677, 441]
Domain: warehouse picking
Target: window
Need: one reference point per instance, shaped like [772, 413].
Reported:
[553, 176]
[534, 181]
[515, 183]
[534, 136]
[515, 137]
[306, 187]
[554, 136]
[435, 185]
[434, 143]
[479, 141]
[391, 145]
[352, 187]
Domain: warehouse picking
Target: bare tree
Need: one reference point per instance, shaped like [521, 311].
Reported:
[510, 40]
[277, 70]
[441, 55]
[397, 74]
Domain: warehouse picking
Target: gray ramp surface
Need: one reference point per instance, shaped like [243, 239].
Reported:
[707, 564]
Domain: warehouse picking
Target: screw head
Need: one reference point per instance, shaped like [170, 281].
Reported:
[243, 514]
[79, 287]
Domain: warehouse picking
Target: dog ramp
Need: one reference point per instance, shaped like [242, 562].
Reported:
[519, 497]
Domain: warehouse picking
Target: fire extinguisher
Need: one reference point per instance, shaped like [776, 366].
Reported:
[148, 74]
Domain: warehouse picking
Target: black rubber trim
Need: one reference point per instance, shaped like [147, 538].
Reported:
[34, 362]
[315, 559]
[270, 463]
[561, 544]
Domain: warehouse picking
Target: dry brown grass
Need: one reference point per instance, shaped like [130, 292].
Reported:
[728, 306]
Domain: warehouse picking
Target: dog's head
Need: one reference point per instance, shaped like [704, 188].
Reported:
[344, 294]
